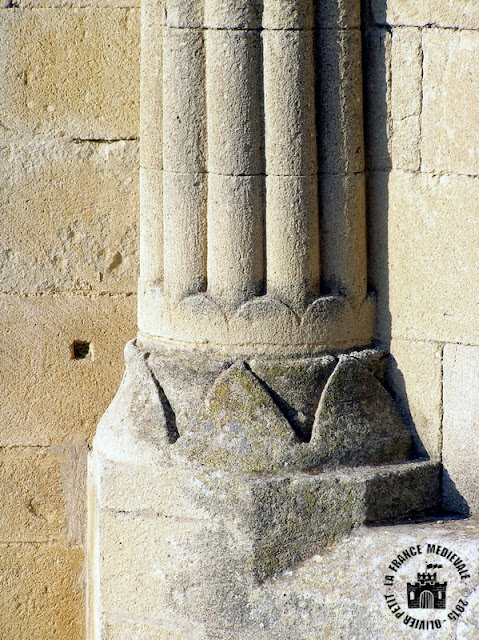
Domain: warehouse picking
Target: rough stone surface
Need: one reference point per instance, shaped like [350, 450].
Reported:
[424, 252]
[339, 101]
[240, 427]
[449, 13]
[296, 387]
[377, 98]
[43, 84]
[357, 421]
[461, 430]
[53, 398]
[70, 212]
[32, 501]
[338, 13]
[450, 115]
[193, 566]
[41, 592]
[415, 375]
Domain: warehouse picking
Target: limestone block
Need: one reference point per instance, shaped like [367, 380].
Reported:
[69, 215]
[184, 224]
[292, 240]
[151, 227]
[119, 630]
[341, 594]
[461, 430]
[183, 13]
[450, 117]
[288, 14]
[415, 377]
[184, 101]
[406, 70]
[77, 77]
[424, 253]
[339, 101]
[447, 13]
[41, 594]
[151, 86]
[357, 421]
[32, 503]
[241, 14]
[343, 236]
[406, 144]
[240, 427]
[234, 106]
[377, 98]
[338, 13]
[290, 128]
[152, 561]
[406, 98]
[235, 238]
[53, 398]
[205, 573]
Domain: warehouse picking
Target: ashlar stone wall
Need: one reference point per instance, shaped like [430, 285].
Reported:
[69, 75]
[68, 259]
[423, 158]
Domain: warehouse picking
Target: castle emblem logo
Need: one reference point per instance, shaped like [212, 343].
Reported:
[427, 592]
[426, 586]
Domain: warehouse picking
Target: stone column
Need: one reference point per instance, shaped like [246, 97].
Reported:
[252, 425]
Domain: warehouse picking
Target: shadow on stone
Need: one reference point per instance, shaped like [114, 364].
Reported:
[452, 500]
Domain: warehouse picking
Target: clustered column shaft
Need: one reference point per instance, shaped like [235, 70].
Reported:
[252, 184]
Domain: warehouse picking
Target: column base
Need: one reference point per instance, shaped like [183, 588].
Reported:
[211, 481]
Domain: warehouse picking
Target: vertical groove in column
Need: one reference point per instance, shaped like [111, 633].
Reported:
[292, 225]
[184, 162]
[341, 162]
[235, 166]
[151, 156]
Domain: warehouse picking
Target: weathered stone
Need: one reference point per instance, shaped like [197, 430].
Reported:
[41, 594]
[43, 82]
[377, 98]
[139, 422]
[54, 398]
[184, 107]
[338, 13]
[234, 108]
[406, 71]
[240, 427]
[33, 499]
[343, 235]
[357, 421]
[287, 14]
[450, 114]
[183, 13]
[296, 386]
[449, 13]
[415, 377]
[460, 428]
[339, 101]
[242, 14]
[425, 253]
[406, 144]
[69, 217]
[203, 567]
[289, 116]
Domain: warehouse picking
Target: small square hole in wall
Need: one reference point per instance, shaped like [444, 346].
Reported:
[82, 350]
